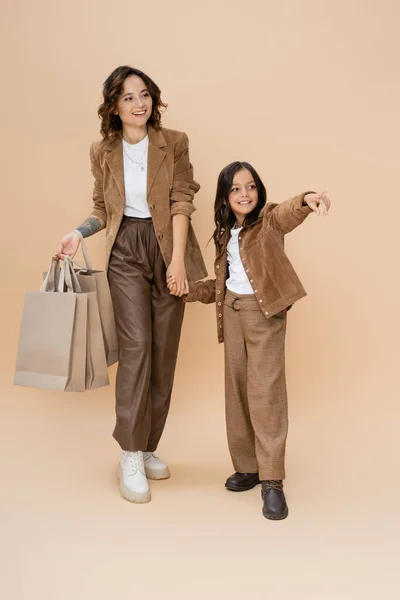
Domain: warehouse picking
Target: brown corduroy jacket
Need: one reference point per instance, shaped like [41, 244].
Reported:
[170, 191]
[261, 247]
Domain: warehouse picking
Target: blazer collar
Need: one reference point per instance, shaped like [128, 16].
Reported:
[115, 160]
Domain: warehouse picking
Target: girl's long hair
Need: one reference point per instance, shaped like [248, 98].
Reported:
[224, 217]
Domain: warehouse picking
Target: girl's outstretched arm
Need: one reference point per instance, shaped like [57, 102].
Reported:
[289, 214]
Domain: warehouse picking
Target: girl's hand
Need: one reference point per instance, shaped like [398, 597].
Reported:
[173, 288]
[177, 282]
[171, 284]
[68, 245]
[319, 203]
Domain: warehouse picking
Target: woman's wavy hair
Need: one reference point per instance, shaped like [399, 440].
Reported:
[224, 216]
[111, 124]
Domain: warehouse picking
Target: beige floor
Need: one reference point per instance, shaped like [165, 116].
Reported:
[67, 534]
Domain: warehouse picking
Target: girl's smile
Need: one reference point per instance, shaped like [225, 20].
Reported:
[243, 196]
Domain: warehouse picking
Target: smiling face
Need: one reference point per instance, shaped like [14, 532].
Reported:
[243, 195]
[135, 103]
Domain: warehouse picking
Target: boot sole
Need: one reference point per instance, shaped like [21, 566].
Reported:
[276, 518]
[157, 473]
[242, 489]
[127, 494]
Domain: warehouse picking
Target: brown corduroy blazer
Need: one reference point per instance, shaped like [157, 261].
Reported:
[170, 191]
[261, 246]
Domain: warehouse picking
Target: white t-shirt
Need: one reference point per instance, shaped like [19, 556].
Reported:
[237, 282]
[135, 179]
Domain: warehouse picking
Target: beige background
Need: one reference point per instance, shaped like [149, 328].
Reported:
[308, 91]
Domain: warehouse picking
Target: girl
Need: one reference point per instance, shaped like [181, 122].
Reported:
[254, 287]
[143, 196]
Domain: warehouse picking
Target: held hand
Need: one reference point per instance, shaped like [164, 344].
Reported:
[171, 285]
[176, 278]
[319, 203]
[68, 245]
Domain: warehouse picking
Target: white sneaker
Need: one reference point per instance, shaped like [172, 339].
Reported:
[155, 468]
[132, 479]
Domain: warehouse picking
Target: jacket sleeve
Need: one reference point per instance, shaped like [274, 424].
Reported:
[289, 214]
[184, 186]
[99, 210]
[201, 291]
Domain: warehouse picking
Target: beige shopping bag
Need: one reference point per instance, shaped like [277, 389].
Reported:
[91, 280]
[96, 372]
[52, 342]
[96, 362]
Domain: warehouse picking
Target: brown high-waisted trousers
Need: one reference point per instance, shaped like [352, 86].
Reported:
[149, 322]
[255, 387]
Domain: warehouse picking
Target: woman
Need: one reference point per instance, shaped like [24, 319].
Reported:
[143, 196]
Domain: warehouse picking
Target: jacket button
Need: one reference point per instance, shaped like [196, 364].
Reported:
[266, 313]
[218, 292]
[152, 207]
[247, 270]
[220, 315]
[255, 291]
[217, 266]
[260, 301]
[219, 303]
[251, 281]
[160, 236]
[220, 326]
[220, 339]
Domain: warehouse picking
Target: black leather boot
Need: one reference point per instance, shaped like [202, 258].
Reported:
[275, 507]
[240, 482]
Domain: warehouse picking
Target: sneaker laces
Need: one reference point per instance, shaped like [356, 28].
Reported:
[148, 455]
[135, 461]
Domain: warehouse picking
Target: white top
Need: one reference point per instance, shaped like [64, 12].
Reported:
[237, 282]
[135, 179]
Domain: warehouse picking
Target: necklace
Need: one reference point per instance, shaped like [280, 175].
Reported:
[141, 163]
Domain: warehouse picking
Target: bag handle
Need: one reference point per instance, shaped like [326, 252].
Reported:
[49, 282]
[66, 279]
[70, 279]
[85, 251]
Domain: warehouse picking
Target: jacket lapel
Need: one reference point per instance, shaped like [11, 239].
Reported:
[115, 161]
[156, 156]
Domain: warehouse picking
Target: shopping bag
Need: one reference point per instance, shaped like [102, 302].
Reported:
[91, 280]
[52, 343]
[96, 372]
[96, 362]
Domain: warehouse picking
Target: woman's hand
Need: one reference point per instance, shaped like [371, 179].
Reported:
[319, 203]
[177, 282]
[68, 245]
